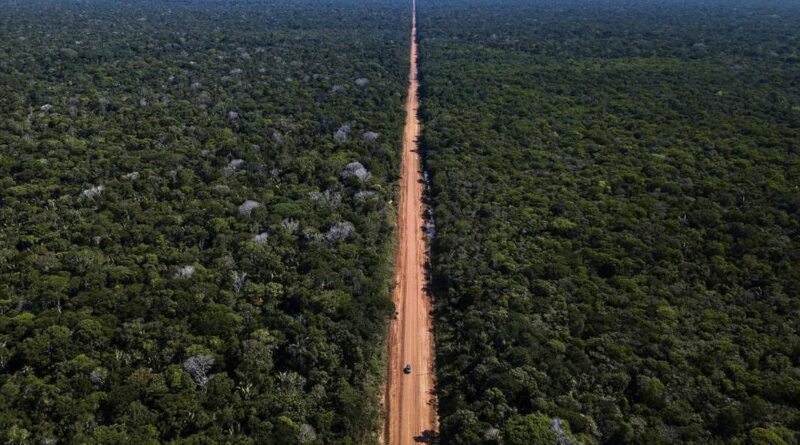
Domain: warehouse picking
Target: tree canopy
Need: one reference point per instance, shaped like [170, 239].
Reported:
[615, 195]
[187, 254]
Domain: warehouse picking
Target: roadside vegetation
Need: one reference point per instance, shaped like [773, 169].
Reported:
[615, 192]
[195, 219]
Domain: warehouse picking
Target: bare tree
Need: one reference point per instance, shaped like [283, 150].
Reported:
[492, 434]
[198, 366]
[233, 165]
[290, 225]
[342, 133]
[365, 195]
[340, 232]
[92, 192]
[306, 433]
[261, 238]
[185, 272]
[247, 207]
[561, 436]
[98, 376]
[357, 170]
[328, 200]
[238, 279]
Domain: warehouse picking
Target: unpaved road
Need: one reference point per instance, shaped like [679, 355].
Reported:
[410, 403]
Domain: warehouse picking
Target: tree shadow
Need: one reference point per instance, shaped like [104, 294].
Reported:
[427, 436]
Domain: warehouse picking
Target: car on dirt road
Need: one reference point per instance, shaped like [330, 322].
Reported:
[407, 369]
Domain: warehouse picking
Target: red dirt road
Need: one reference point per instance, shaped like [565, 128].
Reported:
[410, 400]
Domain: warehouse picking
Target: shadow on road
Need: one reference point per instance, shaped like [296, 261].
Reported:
[427, 436]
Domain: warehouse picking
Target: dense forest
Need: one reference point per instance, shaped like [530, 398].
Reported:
[196, 219]
[616, 192]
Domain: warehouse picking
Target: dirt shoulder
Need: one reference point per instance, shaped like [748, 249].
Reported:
[410, 398]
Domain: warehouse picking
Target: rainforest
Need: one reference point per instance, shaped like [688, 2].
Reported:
[615, 189]
[499, 222]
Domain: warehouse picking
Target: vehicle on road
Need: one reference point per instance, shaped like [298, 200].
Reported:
[407, 369]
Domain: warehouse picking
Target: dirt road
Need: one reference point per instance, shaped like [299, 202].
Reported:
[411, 413]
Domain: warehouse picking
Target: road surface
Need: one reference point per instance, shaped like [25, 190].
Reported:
[411, 409]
